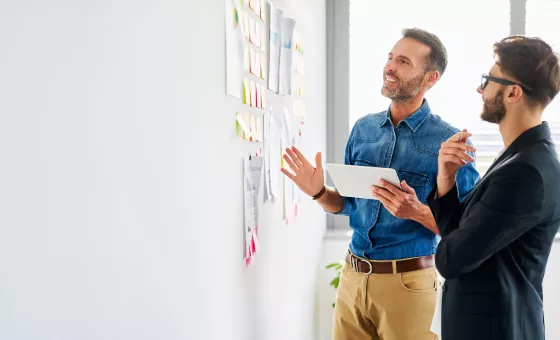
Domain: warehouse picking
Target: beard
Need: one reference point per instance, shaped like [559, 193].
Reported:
[494, 110]
[405, 91]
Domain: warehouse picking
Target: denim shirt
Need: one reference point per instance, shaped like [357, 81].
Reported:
[412, 150]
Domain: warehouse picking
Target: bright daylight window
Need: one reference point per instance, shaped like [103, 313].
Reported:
[468, 29]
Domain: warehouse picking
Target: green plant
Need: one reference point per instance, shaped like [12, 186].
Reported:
[337, 266]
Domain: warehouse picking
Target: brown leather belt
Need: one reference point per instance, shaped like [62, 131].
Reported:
[386, 267]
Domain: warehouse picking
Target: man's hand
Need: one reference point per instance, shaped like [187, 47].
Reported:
[308, 178]
[452, 156]
[400, 203]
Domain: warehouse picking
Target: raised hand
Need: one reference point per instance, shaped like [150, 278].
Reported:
[453, 155]
[308, 178]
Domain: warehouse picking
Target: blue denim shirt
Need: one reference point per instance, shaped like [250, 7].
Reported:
[412, 149]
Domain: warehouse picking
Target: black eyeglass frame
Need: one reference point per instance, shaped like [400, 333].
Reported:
[485, 79]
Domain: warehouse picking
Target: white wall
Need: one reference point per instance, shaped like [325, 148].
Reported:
[120, 186]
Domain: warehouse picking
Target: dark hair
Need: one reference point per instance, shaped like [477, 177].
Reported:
[533, 63]
[437, 59]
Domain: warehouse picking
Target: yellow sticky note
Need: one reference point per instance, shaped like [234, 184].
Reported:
[246, 93]
[242, 124]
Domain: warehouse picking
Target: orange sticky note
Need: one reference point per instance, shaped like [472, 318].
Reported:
[259, 129]
[253, 94]
[251, 30]
[252, 61]
[253, 129]
[263, 66]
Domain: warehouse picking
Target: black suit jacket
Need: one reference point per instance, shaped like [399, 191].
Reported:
[495, 245]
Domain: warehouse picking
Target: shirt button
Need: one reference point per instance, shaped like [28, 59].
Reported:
[444, 288]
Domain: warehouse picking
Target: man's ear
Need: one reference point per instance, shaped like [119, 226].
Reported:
[432, 78]
[514, 94]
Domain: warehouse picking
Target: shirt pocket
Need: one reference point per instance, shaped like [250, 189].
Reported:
[418, 181]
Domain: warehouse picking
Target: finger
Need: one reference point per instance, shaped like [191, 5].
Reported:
[407, 188]
[288, 174]
[294, 157]
[387, 204]
[456, 145]
[390, 187]
[460, 154]
[384, 193]
[460, 136]
[319, 161]
[454, 159]
[300, 156]
[292, 165]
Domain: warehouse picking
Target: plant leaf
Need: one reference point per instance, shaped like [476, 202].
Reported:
[332, 265]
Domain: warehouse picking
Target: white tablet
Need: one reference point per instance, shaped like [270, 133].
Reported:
[356, 181]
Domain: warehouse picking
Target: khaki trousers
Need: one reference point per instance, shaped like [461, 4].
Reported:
[385, 306]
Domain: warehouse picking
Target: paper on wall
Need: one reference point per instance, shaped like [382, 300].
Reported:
[276, 16]
[286, 56]
[235, 48]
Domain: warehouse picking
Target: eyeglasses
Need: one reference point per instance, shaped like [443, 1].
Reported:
[486, 79]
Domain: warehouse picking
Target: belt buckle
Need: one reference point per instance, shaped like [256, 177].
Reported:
[355, 262]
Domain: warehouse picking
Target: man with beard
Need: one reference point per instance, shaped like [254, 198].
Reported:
[388, 285]
[495, 245]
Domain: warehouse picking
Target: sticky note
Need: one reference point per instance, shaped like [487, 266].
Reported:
[242, 123]
[252, 30]
[258, 34]
[259, 129]
[258, 94]
[253, 129]
[246, 59]
[246, 92]
[246, 24]
[253, 94]
[252, 61]
[257, 64]
[263, 66]
[263, 103]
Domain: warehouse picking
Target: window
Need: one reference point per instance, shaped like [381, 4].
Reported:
[468, 30]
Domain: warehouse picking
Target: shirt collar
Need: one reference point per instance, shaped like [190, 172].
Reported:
[415, 120]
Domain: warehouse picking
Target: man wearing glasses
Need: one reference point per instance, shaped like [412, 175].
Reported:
[495, 245]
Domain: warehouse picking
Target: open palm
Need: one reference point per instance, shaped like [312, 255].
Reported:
[308, 178]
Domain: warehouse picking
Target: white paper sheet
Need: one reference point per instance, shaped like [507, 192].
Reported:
[267, 121]
[252, 178]
[286, 56]
[276, 16]
[235, 47]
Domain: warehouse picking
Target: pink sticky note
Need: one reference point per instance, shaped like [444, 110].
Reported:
[255, 240]
[258, 93]
[252, 62]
